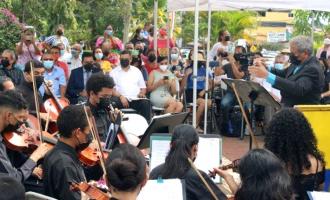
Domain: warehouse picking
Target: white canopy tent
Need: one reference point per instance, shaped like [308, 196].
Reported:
[218, 5]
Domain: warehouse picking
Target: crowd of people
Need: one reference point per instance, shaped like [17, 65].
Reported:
[137, 76]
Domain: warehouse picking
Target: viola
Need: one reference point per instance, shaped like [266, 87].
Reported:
[91, 191]
[234, 165]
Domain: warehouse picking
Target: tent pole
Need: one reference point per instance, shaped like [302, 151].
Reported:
[207, 66]
[195, 62]
[155, 24]
[313, 25]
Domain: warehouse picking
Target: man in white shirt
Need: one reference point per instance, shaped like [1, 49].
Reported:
[130, 88]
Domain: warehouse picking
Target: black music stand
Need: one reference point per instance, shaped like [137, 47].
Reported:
[162, 124]
[253, 93]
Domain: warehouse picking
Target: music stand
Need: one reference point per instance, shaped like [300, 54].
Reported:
[162, 124]
[253, 93]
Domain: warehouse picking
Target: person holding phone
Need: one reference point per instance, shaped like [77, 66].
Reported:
[162, 87]
[28, 48]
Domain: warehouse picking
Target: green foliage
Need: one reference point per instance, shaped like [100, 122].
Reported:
[233, 21]
[9, 29]
[271, 46]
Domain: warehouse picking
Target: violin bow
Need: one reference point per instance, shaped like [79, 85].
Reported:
[36, 100]
[91, 124]
[254, 140]
[203, 180]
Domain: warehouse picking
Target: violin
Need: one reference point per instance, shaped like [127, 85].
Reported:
[90, 156]
[91, 191]
[21, 141]
[53, 106]
[234, 165]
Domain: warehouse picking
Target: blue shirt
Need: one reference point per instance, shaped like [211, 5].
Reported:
[57, 77]
[271, 78]
[201, 78]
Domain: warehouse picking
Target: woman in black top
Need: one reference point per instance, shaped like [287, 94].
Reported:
[291, 138]
[183, 146]
[263, 176]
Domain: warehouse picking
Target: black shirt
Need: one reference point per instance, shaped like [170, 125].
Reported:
[102, 120]
[14, 74]
[195, 189]
[61, 167]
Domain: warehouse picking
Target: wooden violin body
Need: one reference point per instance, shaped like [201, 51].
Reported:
[91, 191]
[90, 156]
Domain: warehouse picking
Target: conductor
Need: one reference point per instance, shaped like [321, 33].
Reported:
[302, 81]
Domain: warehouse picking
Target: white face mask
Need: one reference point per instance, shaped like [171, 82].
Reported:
[163, 67]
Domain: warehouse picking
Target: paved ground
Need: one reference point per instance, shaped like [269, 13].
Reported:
[234, 148]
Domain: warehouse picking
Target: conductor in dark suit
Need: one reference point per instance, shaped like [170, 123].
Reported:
[302, 81]
[78, 79]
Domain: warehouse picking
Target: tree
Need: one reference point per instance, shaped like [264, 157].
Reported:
[10, 29]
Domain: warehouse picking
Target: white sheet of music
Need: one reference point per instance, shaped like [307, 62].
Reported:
[319, 195]
[167, 189]
[159, 152]
[208, 155]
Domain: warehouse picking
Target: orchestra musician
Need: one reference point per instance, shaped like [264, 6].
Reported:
[99, 91]
[62, 166]
[14, 113]
[184, 146]
[126, 172]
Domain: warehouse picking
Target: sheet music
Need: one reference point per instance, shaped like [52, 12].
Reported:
[319, 195]
[159, 152]
[208, 155]
[169, 189]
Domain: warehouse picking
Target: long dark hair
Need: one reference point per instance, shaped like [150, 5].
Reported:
[263, 176]
[290, 137]
[221, 34]
[176, 162]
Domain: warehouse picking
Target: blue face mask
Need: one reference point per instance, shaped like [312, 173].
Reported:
[20, 67]
[279, 66]
[74, 53]
[48, 64]
[109, 32]
[62, 51]
[99, 56]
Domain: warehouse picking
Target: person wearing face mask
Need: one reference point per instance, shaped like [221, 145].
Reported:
[221, 46]
[6, 84]
[99, 90]
[139, 37]
[184, 145]
[108, 37]
[75, 60]
[302, 82]
[55, 75]
[78, 79]
[162, 87]
[56, 53]
[150, 61]
[14, 113]
[176, 65]
[105, 65]
[61, 165]
[162, 43]
[324, 48]
[59, 38]
[28, 48]
[7, 67]
[130, 88]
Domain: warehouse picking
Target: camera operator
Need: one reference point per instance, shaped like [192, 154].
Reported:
[236, 68]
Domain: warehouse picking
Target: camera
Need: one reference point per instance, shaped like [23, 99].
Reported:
[244, 60]
[223, 54]
[165, 77]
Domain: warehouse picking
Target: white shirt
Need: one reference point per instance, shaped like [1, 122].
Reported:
[214, 50]
[128, 83]
[74, 63]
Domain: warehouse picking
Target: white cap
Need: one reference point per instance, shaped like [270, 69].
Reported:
[241, 43]
[326, 41]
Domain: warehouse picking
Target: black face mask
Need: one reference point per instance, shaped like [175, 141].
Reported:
[294, 60]
[12, 128]
[152, 58]
[5, 63]
[59, 32]
[124, 63]
[88, 67]
[84, 145]
[104, 102]
[227, 38]
[39, 81]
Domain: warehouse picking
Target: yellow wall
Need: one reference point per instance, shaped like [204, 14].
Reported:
[260, 34]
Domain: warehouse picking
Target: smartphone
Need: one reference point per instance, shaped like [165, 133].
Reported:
[165, 77]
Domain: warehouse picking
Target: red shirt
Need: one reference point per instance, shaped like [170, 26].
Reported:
[162, 46]
[65, 68]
